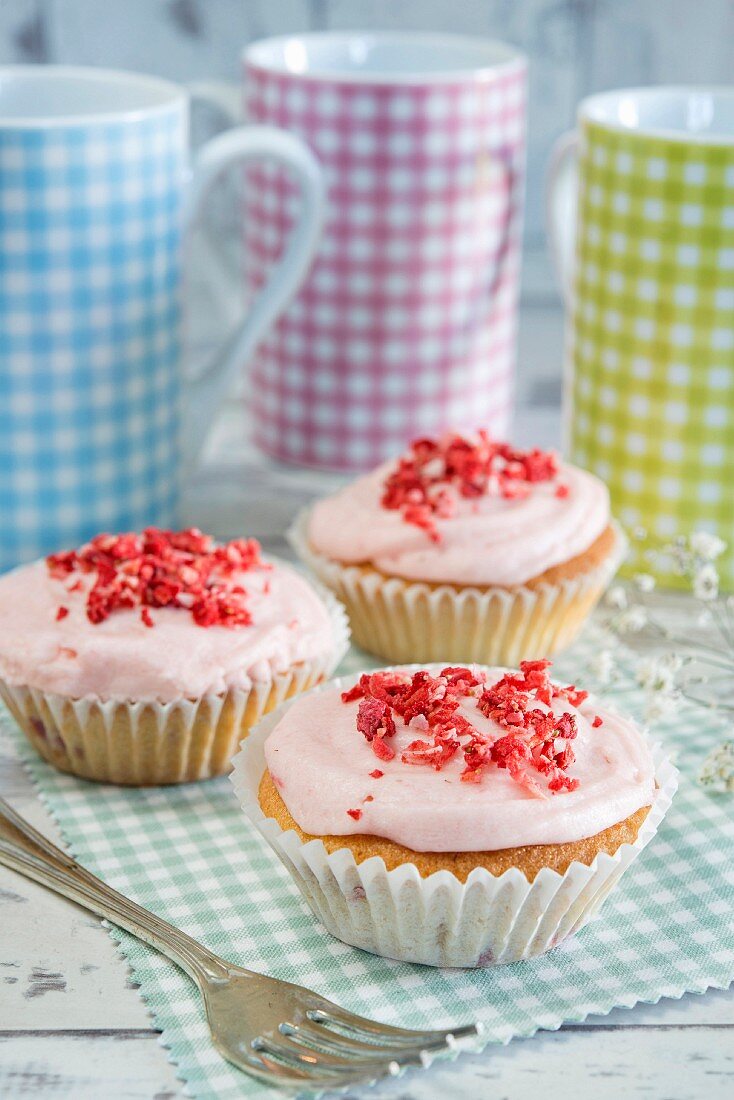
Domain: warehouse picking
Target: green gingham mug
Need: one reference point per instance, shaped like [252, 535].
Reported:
[648, 182]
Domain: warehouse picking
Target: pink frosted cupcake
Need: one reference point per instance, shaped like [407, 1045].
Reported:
[453, 816]
[144, 659]
[465, 549]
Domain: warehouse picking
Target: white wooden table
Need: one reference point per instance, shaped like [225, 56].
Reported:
[72, 1024]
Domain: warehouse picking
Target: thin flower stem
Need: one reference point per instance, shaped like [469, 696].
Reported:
[659, 629]
[725, 664]
[718, 657]
[687, 643]
[719, 678]
[721, 624]
[729, 617]
[728, 707]
[665, 633]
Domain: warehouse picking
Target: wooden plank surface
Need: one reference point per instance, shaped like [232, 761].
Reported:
[677, 1063]
[58, 965]
[97, 1065]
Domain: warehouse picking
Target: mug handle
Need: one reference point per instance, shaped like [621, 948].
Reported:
[224, 280]
[244, 144]
[561, 198]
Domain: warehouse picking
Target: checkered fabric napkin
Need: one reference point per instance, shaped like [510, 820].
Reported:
[653, 347]
[188, 854]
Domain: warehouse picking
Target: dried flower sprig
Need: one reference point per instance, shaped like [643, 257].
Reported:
[689, 665]
[717, 772]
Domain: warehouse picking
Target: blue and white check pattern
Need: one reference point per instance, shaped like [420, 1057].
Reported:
[89, 328]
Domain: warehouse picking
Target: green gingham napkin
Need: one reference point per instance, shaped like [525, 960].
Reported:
[188, 854]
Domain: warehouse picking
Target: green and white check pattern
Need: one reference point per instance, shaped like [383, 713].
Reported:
[188, 854]
[652, 352]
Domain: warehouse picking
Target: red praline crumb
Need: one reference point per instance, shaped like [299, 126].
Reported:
[574, 695]
[355, 692]
[61, 613]
[374, 719]
[356, 814]
[419, 485]
[376, 774]
[597, 722]
[181, 569]
[381, 749]
[535, 745]
[562, 491]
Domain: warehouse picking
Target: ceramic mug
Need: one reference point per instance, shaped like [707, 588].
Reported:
[641, 218]
[406, 323]
[95, 191]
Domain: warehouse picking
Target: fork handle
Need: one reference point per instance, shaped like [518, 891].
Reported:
[26, 851]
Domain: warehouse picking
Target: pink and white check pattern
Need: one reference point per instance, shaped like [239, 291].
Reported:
[406, 323]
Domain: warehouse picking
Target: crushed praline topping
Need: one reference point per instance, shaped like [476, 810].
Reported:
[160, 568]
[419, 485]
[535, 741]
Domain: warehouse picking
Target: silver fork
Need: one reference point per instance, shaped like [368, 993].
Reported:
[279, 1032]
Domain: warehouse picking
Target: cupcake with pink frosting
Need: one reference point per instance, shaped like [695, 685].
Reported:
[453, 816]
[145, 658]
[465, 549]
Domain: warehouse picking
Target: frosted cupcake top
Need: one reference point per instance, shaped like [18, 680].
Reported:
[458, 760]
[463, 510]
[161, 615]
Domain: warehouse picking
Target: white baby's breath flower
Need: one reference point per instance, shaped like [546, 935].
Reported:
[631, 621]
[706, 546]
[602, 666]
[644, 582]
[656, 675]
[616, 597]
[706, 583]
[660, 706]
[639, 534]
[678, 554]
[671, 660]
[717, 772]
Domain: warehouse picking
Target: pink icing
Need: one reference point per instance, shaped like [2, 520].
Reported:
[488, 541]
[321, 766]
[121, 658]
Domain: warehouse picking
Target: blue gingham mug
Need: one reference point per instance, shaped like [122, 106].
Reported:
[96, 190]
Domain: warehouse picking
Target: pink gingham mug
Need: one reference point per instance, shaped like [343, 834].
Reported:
[406, 323]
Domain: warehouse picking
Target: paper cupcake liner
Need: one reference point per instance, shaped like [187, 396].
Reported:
[439, 920]
[147, 743]
[411, 621]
